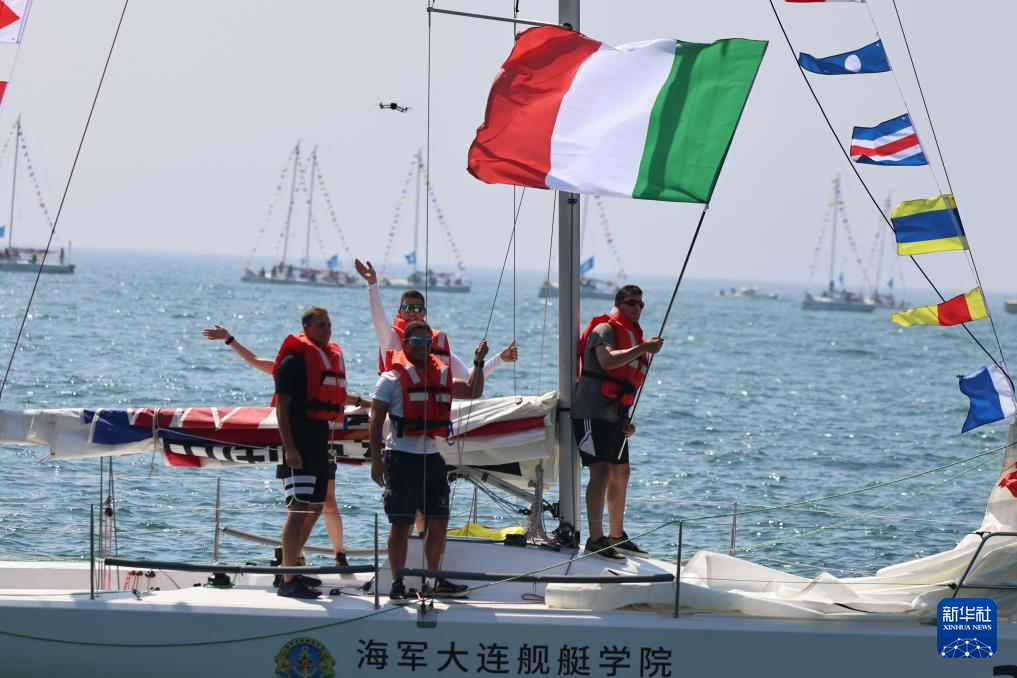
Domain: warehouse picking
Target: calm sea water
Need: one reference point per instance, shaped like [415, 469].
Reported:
[751, 401]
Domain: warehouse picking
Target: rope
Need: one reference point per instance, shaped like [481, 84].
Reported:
[865, 186]
[60, 207]
[547, 289]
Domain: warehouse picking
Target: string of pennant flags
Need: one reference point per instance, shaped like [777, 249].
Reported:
[609, 237]
[920, 225]
[397, 213]
[417, 166]
[276, 195]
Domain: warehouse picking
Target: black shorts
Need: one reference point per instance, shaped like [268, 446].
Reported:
[416, 482]
[283, 471]
[600, 440]
[308, 484]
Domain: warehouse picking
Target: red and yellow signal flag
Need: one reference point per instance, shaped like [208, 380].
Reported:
[961, 309]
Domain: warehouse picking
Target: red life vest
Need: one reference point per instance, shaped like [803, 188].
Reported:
[427, 398]
[326, 376]
[621, 383]
[440, 347]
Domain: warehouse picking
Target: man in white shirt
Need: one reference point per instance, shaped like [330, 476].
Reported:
[411, 308]
[416, 395]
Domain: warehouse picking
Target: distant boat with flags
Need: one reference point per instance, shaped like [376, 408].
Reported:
[835, 298]
[302, 181]
[430, 278]
[27, 259]
[590, 288]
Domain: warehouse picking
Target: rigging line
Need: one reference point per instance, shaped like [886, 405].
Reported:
[969, 255]
[509, 249]
[865, 186]
[667, 313]
[60, 207]
[515, 381]
[547, 290]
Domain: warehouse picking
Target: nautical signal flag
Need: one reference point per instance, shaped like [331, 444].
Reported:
[893, 142]
[333, 262]
[651, 120]
[411, 258]
[928, 225]
[961, 309]
[586, 266]
[991, 397]
[12, 19]
[868, 59]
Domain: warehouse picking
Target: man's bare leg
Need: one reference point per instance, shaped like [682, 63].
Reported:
[292, 535]
[617, 489]
[333, 519]
[398, 543]
[596, 489]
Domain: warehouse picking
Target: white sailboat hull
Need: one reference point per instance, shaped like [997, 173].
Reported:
[49, 626]
[28, 267]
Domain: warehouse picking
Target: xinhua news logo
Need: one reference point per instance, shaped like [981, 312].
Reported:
[966, 628]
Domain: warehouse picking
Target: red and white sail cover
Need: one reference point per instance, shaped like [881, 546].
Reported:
[496, 432]
[13, 14]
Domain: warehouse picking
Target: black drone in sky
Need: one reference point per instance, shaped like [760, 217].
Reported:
[393, 107]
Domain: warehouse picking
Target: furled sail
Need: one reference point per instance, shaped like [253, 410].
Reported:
[507, 436]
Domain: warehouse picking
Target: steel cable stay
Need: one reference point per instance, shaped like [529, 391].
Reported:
[509, 249]
[872, 198]
[63, 197]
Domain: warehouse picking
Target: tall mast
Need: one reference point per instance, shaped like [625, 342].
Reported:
[310, 207]
[568, 327]
[289, 211]
[14, 184]
[833, 237]
[882, 245]
[416, 211]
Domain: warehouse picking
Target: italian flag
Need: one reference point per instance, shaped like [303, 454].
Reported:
[651, 120]
[961, 309]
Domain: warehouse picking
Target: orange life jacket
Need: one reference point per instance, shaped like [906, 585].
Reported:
[621, 383]
[326, 376]
[427, 398]
[440, 347]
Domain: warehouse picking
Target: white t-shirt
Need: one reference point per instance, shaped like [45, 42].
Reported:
[388, 339]
[390, 390]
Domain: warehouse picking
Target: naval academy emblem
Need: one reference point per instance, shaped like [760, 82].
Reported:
[304, 658]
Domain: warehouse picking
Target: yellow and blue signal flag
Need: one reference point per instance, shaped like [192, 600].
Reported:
[928, 225]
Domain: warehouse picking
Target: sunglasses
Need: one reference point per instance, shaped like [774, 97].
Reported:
[419, 341]
[415, 308]
[634, 303]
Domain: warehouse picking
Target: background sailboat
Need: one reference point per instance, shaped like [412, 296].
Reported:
[419, 278]
[835, 298]
[27, 259]
[284, 272]
[590, 287]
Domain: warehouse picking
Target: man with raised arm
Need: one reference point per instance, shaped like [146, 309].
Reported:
[613, 360]
[416, 395]
[412, 308]
[333, 519]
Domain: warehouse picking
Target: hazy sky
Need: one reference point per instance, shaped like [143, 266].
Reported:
[204, 100]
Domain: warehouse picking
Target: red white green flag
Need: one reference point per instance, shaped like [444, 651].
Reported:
[651, 120]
